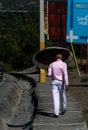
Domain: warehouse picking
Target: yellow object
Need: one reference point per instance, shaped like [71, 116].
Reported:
[42, 45]
[42, 75]
[46, 31]
[45, 25]
[42, 71]
[75, 59]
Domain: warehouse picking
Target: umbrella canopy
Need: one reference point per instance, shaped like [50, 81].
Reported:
[44, 57]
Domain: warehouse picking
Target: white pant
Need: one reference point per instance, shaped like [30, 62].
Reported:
[59, 97]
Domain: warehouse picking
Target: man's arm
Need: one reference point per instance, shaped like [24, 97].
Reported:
[49, 70]
[66, 75]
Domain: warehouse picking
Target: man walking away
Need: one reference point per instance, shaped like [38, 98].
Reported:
[58, 71]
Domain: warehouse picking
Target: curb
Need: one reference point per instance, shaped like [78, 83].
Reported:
[10, 100]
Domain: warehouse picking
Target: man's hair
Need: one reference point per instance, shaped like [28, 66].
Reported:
[59, 56]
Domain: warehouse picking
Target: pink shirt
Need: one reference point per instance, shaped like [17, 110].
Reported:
[58, 71]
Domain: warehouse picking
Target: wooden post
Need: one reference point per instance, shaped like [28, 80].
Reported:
[81, 54]
[87, 58]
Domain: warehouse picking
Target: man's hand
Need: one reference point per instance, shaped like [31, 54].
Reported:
[66, 87]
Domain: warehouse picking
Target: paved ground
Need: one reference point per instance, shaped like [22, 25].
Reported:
[44, 120]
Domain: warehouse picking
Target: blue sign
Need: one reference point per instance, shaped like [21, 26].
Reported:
[77, 21]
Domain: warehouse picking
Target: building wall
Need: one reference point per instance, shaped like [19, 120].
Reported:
[57, 13]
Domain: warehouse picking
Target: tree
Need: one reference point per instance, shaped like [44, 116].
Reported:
[19, 38]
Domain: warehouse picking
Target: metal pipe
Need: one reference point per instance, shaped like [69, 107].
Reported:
[42, 39]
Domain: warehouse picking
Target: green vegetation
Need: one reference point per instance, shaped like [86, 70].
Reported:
[19, 38]
[84, 79]
[86, 116]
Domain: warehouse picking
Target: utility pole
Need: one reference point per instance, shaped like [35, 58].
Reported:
[42, 39]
